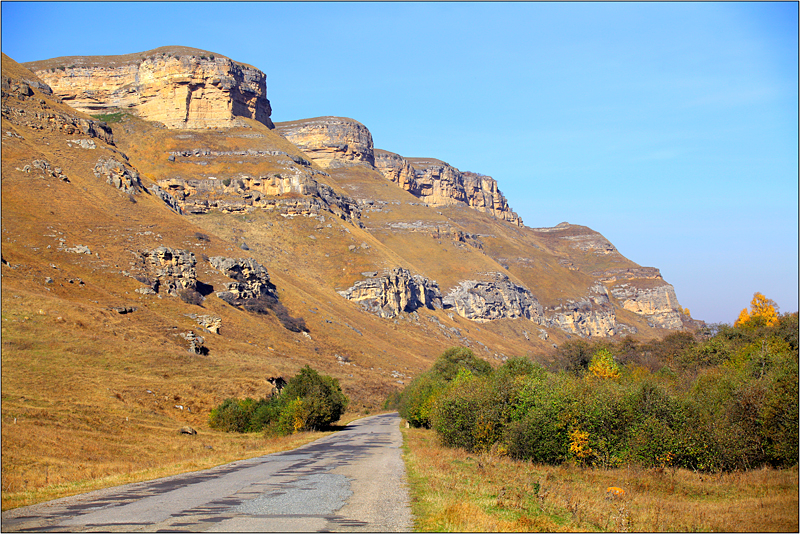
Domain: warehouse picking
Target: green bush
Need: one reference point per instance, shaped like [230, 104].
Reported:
[230, 416]
[309, 401]
[466, 414]
[418, 399]
[455, 359]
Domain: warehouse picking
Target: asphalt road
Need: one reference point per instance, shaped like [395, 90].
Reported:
[352, 480]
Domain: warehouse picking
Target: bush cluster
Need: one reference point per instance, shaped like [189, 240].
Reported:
[309, 401]
[722, 400]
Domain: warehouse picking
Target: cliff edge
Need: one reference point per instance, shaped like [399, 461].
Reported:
[180, 87]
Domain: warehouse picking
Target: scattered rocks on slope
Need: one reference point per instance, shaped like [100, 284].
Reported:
[195, 342]
[44, 167]
[395, 292]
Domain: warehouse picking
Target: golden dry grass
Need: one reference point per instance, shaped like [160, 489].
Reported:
[455, 491]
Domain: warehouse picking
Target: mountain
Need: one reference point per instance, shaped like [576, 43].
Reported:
[160, 234]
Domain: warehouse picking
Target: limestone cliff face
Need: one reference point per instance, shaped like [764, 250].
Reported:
[658, 304]
[331, 141]
[177, 86]
[439, 184]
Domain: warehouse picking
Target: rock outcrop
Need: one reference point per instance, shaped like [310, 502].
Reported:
[170, 270]
[331, 141]
[251, 279]
[496, 298]
[439, 184]
[395, 292]
[303, 195]
[658, 304]
[177, 86]
[119, 174]
[29, 102]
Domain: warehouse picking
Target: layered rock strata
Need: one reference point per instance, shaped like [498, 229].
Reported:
[29, 103]
[395, 292]
[658, 304]
[303, 196]
[439, 184]
[177, 86]
[331, 141]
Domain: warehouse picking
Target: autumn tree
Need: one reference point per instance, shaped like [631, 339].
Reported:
[763, 312]
[603, 365]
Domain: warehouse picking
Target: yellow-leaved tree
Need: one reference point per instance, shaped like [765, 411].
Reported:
[763, 312]
[603, 365]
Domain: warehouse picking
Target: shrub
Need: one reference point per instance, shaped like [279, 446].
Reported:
[309, 401]
[419, 397]
[230, 416]
[467, 415]
[190, 296]
[454, 359]
[323, 400]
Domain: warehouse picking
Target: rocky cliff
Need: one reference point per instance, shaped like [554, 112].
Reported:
[331, 141]
[177, 86]
[439, 184]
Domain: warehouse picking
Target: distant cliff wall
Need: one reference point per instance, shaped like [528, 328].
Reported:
[331, 141]
[439, 184]
[177, 86]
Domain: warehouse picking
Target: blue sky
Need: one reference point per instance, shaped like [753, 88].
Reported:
[670, 128]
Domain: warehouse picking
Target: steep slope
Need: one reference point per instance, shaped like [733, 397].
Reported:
[161, 261]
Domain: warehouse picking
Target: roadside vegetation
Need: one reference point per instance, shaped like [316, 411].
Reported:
[703, 419]
[309, 401]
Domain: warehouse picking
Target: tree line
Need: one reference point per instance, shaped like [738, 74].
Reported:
[721, 399]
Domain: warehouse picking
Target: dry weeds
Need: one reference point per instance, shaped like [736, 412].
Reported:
[455, 491]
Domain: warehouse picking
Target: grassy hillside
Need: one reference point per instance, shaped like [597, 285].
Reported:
[96, 377]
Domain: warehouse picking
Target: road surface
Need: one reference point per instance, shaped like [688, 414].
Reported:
[352, 480]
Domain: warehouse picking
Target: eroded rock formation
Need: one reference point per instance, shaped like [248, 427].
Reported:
[496, 298]
[251, 279]
[177, 86]
[395, 292]
[658, 304]
[438, 184]
[303, 195]
[170, 270]
[331, 141]
[119, 174]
